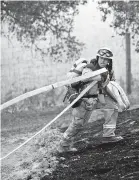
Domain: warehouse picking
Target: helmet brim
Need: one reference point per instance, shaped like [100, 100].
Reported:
[105, 57]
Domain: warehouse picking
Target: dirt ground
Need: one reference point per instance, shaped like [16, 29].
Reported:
[93, 160]
[96, 161]
[36, 157]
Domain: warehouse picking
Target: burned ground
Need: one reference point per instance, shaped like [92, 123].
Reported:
[39, 160]
[97, 161]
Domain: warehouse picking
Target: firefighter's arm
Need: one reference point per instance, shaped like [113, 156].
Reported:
[88, 70]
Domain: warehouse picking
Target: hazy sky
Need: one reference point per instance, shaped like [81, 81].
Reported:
[96, 34]
[91, 30]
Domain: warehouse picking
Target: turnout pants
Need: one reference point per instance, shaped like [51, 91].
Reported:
[82, 114]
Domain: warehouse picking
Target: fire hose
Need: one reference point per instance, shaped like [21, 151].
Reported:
[32, 93]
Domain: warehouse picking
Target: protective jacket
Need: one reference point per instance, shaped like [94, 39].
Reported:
[105, 78]
[76, 88]
[108, 86]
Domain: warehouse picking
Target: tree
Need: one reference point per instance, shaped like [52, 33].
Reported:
[126, 17]
[34, 21]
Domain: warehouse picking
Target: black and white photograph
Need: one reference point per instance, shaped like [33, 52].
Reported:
[69, 90]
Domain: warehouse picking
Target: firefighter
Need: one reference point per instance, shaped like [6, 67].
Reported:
[95, 98]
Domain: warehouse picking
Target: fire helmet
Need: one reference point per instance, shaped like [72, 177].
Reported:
[105, 53]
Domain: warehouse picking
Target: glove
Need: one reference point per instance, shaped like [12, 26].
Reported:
[105, 80]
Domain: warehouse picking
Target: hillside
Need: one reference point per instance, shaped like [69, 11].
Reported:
[39, 159]
[96, 161]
